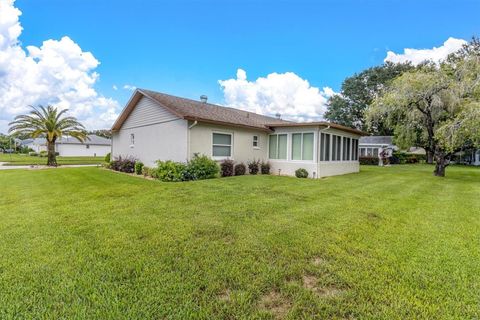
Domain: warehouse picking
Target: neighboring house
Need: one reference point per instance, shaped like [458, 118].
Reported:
[66, 146]
[155, 126]
[370, 145]
[469, 157]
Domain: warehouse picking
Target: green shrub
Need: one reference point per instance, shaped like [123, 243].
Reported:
[43, 153]
[226, 168]
[170, 171]
[201, 167]
[240, 169]
[138, 167]
[404, 157]
[33, 154]
[253, 166]
[123, 164]
[146, 171]
[107, 157]
[265, 167]
[372, 161]
[301, 173]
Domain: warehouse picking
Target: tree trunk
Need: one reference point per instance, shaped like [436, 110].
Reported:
[441, 162]
[429, 157]
[52, 158]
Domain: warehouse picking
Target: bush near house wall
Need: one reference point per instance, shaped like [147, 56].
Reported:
[226, 168]
[138, 167]
[253, 166]
[123, 164]
[240, 169]
[107, 157]
[372, 161]
[301, 173]
[265, 167]
[33, 154]
[199, 168]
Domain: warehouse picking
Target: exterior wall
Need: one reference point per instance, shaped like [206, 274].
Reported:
[334, 168]
[315, 168]
[201, 141]
[158, 135]
[80, 150]
[288, 166]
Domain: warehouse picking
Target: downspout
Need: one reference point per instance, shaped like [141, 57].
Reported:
[188, 142]
[318, 148]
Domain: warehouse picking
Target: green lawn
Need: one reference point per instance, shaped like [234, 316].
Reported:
[21, 159]
[388, 243]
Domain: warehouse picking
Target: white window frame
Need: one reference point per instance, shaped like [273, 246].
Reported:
[223, 145]
[255, 141]
[132, 140]
[301, 147]
[278, 141]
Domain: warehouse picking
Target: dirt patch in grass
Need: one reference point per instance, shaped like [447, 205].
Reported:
[224, 295]
[318, 261]
[276, 304]
[310, 282]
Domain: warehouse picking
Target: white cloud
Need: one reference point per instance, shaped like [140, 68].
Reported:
[436, 54]
[115, 87]
[129, 87]
[58, 72]
[285, 93]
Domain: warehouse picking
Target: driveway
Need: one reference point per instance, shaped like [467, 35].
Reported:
[36, 167]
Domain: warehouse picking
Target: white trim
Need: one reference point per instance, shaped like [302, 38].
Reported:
[301, 148]
[268, 145]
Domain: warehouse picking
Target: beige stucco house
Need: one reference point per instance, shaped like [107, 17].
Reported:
[155, 126]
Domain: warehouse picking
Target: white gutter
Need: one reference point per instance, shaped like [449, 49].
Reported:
[318, 149]
[189, 139]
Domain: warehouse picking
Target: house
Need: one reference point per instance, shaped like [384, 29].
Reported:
[370, 145]
[155, 126]
[66, 146]
[468, 157]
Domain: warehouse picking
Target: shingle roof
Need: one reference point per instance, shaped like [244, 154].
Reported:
[206, 112]
[92, 139]
[386, 140]
[197, 110]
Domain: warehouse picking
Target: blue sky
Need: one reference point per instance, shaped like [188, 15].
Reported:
[186, 47]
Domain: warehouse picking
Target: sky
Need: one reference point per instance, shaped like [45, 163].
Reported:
[264, 56]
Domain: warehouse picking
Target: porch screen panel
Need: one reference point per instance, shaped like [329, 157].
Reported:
[282, 146]
[307, 153]
[272, 147]
[297, 146]
[327, 147]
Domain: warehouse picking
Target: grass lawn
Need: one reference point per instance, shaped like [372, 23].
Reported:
[21, 159]
[388, 243]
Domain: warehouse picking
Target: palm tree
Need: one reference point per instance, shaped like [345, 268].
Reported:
[48, 122]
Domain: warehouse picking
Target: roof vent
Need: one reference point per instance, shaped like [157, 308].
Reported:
[278, 116]
[203, 98]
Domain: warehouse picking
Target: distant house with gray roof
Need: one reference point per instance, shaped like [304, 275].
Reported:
[370, 145]
[66, 146]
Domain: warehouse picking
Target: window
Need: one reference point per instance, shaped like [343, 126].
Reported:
[302, 146]
[222, 145]
[324, 147]
[132, 139]
[255, 141]
[277, 146]
[336, 148]
[363, 152]
[375, 152]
